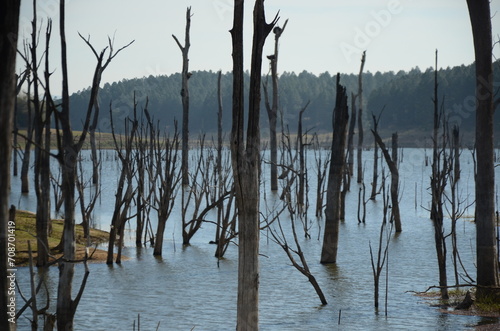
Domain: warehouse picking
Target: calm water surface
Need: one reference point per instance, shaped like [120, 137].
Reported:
[187, 288]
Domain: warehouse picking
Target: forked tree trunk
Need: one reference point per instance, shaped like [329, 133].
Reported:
[185, 98]
[246, 163]
[486, 241]
[335, 176]
[272, 112]
[9, 18]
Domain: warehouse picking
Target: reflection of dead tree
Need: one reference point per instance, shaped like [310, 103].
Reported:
[125, 190]
[279, 237]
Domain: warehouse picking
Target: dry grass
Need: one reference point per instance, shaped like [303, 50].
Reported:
[26, 231]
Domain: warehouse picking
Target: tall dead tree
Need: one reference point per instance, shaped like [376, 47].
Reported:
[486, 241]
[185, 98]
[272, 110]
[350, 138]
[440, 171]
[42, 161]
[359, 96]
[9, 19]
[335, 176]
[246, 162]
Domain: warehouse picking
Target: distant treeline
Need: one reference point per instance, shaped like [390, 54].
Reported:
[405, 97]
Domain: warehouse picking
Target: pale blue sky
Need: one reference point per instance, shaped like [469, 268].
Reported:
[321, 35]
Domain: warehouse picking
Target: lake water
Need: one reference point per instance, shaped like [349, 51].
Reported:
[187, 289]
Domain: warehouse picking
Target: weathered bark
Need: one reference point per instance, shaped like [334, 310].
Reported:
[220, 207]
[440, 170]
[373, 195]
[246, 163]
[335, 176]
[185, 98]
[486, 242]
[392, 163]
[350, 136]
[42, 146]
[9, 19]
[302, 166]
[272, 111]
[360, 119]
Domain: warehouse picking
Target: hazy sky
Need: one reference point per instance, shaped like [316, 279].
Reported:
[321, 35]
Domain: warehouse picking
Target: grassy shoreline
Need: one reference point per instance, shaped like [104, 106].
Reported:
[26, 231]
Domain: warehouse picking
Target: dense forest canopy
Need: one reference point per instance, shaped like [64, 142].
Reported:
[405, 97]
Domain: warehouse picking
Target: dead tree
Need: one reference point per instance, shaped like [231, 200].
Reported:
[486, 242]
[373, 195]
[292, 251]
[97, 80]
[42, 159]
[25, 165]
[185, 97]
[246, 162]
[335, 176]
[167, 180]
[440, 170]
[350, 139]
[125, 187]
[321, 169]
[392, 163]
[9, 18]
[359, 96]
[383, 247]
[272, 110]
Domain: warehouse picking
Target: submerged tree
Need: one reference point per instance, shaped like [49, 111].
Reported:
[335, 177]
[185, 97]
[9, 19]
[272, 110]
[486, 241]
[246, 162]
[359, 96]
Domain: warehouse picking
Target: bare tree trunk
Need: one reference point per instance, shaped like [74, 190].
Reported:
[220, 188]
[246, 163]
[272, 112]
[360, 119]
[185, 98]
[25, 165]
[9, 19]
[375, 159]
[350, 138]
[486, 241]
[392, 163]
[336, 174]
